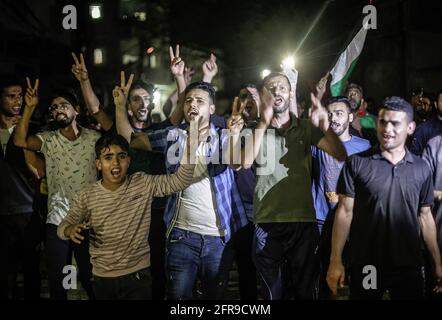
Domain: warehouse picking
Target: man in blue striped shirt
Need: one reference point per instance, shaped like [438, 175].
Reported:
[201, 219]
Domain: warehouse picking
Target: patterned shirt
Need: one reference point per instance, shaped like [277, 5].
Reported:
[70, 166]
[229, 206]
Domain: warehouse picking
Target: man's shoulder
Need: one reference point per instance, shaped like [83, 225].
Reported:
[435, 142]
[93, 134]
[358, 144]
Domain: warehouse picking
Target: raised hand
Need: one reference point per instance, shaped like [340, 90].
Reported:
[266, 106]
[319, 116]
[121, 92]
[236, 122]
[176, 63]
[210, 68]
[79, 68]
[188, 74]
[31, 97]
[321, 86]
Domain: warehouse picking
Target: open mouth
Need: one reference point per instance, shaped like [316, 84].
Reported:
[115, 172]
[142, 112]
[193, 113]
[387, 137]
[60, 115]
[278, 101]
[334, 125]
[16, 110]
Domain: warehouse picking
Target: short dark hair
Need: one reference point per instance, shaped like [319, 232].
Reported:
[354, 86]
[110, 139]
[140, 84]
[202, 86]
[340, 99]
[66, 93]
[248, 85]
[273, 75]
[398, 104]
[9, 80]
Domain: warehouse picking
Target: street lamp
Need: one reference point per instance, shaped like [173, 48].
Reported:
[288, 62]
[265, 73]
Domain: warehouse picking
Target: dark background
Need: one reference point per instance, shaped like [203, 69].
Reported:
[403, 54]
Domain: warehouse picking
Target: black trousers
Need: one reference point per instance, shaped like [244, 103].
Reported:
[59, 255]
[402, 283]
[242, 244]
[286, 259]
[20, 244]
[133, 286]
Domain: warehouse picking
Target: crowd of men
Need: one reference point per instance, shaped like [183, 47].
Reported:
[301, 202]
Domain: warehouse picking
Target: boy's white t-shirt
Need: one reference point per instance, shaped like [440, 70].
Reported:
[70, 166]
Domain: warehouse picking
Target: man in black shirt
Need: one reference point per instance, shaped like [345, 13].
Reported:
[385, 203]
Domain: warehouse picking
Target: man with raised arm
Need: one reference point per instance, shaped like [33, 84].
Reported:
[70, 166]
[286, 234]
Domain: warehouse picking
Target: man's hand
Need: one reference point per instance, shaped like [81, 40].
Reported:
[188, 74]
[319, 115]
[73, 232]
[235, 123]
[438, 195]
[31, 97]
[210, 69]
[266, 106]
[438, 274]
[335, 276]
[321, 86]
[79, 68]
[176, 63]
[120, 93]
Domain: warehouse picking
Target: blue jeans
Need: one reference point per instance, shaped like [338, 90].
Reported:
[190, 255]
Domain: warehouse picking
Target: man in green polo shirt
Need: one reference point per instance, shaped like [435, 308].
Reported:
[286, 233]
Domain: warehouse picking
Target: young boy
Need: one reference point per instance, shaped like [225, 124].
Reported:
[117, 210]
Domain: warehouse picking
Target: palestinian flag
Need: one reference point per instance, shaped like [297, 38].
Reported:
[346, 62]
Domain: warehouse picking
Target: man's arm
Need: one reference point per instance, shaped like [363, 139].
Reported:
[177, 68]
[35, 164]
[21, 138]
[429, 233]
[430, 156]
[210, 69]
[120, 94]
[341, 229]
[330, 143]
[72, 225]
[92, 103]
[251, 150]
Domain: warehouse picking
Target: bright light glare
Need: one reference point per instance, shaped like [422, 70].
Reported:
[288, 62]
[157, 97]
[95, 11]
[265, 73]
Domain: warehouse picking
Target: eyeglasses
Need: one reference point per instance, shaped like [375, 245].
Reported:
[62, 106]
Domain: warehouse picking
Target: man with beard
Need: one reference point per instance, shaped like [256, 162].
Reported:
[423, 105]
[384, 209]
[70, 166]
[286, 233]
[428, 129]
[326, 170]
[364, 123]
[20, 224]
